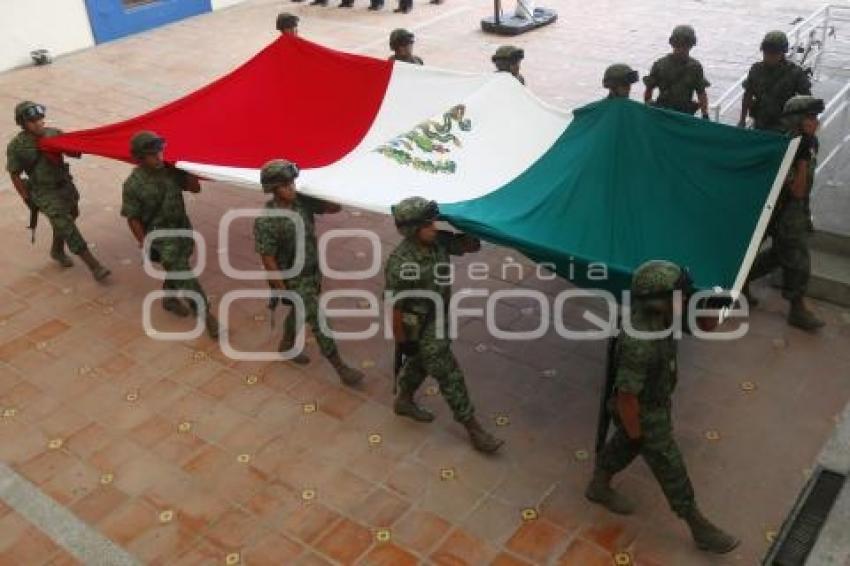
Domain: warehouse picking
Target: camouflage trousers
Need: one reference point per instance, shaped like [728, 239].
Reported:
[174, 254]
[435, 358]
[309, 287]
[788, 250]
[60, 208]
[659, 451]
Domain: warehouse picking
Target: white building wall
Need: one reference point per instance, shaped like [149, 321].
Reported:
[219, 4]
[60, 26]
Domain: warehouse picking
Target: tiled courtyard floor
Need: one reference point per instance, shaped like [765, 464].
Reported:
[181, 456]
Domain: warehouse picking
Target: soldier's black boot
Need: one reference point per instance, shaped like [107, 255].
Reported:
[404, 6]
[347, 374]
[482, 440]
[707, 536]
[98, 271]
[346, 4]
[176, 306]
[287, 343]
[406, 407]
[802, 318]
[599, 491]
[375, 6]
[319, 3]
[57, 252]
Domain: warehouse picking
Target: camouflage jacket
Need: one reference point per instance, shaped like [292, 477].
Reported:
[48, 176]
[414, 60]
[276, 235]
[155, 196]
[771, 86]
[647, 368]
[412, 267]
[677, 80]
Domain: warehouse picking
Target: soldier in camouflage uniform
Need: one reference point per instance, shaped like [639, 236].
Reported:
[678, 76]
[401, 42]
[618, 79]
[643, 387]
[275, 239]
[414, 266]
[771, 83]
[152, 199]
[48, 186]
[287, 24]
[788, 228]
[508, 59]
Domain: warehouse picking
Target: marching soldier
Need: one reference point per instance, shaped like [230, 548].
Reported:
[645, 377]
[401, 43]
[275, 239]
[678, 76]
[152, 199]
[419, 348]
[618, 79]
[287, 24]
[771, 83]
[789, 226]
[48, 187]
[508, 59]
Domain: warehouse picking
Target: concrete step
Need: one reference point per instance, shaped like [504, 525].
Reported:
[830, 268]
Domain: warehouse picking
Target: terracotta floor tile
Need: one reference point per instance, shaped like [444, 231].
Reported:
[240, 483]
[64, 422]
[505, 559]
[178, 447]
[12, 528]
[312, 559]
[62, 558]
[72, 483]
[152, 431]
[130, 522]
[209, 464]
[201, 553]
[272, 550]
[235, 529]
[537, 540]
[136, 476]
[345, 490]
[346, 541]
[462, 548]
[114, 454]
[582, 553]
[32, 547]
[420, 530]
[103, 501]
[222, 384]
[47, 331]
[163, 542]
[88, 440]
[308, 521]
[381, 508]
[249, 436]
[612, 535]
[388, 555]
[339, 403]
[41, 468]
[14, 347]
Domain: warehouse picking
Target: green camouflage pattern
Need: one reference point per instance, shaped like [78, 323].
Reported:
[277, 172]
[771, 86]
[683, 35]
[50, 184]
[435, 357]
[656, 276]
[399, 37]
[789, 250]
[141, 142]
[803, 104]
[647, 369]
[677, 80]
[155, 197]
[276, 237]
[617, 75]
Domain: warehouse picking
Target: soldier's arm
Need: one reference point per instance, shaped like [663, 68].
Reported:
[137, 229]
[633, 365]
[804, 84]
[394, 283]
[651, 81]
[270, 264]
[399, 333]
[131, 209]
[800, 184]
[20, 185]
[457, 243]
[746, 105]
[193, 184]
[628, 408]
[702, 97]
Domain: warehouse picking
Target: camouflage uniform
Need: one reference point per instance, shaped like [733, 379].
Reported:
[401, 37]
[155, 198]
[677, 80]
[275, 236]
[789, 231]
[50, 184]
[618, 75]
[771, 86]
[434, 356]
[647, 369]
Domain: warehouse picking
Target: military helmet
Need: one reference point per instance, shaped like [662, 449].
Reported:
[508, 53]
[400, 37]
[413, 213]
[803, 104]
[286, 21]
[146, 143]
[619, 74]
[683, 35]
[277, 172]
[775, 42]
[28, 110]
[658, 278]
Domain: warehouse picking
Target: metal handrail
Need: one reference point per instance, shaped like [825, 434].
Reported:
[820, 18]
[837, 108]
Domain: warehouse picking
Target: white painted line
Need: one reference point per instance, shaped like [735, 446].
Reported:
[62, 526]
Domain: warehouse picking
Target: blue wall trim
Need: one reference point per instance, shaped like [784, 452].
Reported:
[111, 20]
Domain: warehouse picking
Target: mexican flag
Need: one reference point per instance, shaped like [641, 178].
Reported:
[614, 183]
